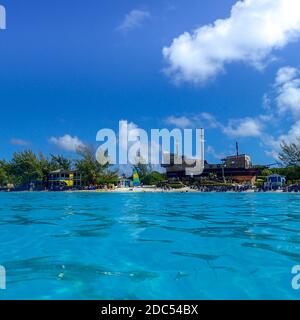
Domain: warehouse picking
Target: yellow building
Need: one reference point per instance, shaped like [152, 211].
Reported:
[67, 179]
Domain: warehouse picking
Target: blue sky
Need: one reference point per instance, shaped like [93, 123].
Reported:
[69, 68]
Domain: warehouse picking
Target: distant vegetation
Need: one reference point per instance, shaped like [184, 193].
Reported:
[26, 167]
[290, 159]
[148, 176]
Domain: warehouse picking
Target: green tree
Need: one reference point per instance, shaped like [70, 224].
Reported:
[4, 173]
[44, 167]
[153, 178]
[291, 173]
[266, 172]
[90, 169]
[108, 177]
[60, 162]
[26, 167]
[142, 168]
[290, 154]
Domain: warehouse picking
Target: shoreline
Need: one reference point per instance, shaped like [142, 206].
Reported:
[154, 190]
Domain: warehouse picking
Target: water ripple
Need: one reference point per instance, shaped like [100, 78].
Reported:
[147, 246]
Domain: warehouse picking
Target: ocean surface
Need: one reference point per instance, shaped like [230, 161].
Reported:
[149, 246]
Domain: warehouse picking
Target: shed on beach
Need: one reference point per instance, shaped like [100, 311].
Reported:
[275, 181]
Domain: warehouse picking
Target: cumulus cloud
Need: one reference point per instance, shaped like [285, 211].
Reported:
[210, 120]
[293, 134]
[19, 142]
[235, 128]
[286, 74]
[133, 20]
[241, 128]
[201, 120]
[254, 30]
[266, 102]
[67, 142]
[287, 86]
[180, 122]
[211, 150]
[286, 101]
[274, 143]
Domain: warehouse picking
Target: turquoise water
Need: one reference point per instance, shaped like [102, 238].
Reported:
[147, 246]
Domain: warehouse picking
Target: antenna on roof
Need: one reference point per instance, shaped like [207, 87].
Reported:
[237, 149]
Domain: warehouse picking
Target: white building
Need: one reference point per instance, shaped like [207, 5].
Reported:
[275, 181]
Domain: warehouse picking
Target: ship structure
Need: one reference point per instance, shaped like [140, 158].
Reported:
[236, 168]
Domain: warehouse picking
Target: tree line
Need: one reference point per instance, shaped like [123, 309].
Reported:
[290, 158]
[26, 167]
[288, 165]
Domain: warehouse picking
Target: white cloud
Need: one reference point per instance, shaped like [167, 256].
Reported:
[290, 137]
[266, 102]
[293, 134]
[211, 150]
[273, 154]
[286, 96]
[180, 122]
[288, 91]
[201, 120]
[247, 127]
[134, 19]
[209, 120]
[273, 143]
[236, 128]
[67, 142]
[19, 142]
[253, 31]
[286, 74]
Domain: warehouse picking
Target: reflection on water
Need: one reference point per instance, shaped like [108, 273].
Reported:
[133, 246]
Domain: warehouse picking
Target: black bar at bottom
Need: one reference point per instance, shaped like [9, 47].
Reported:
[143, 309]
